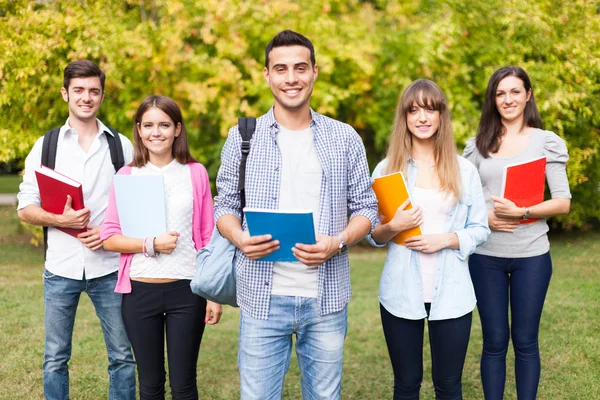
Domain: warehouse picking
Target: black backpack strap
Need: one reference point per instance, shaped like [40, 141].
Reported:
[246, 126]
[49, 145]
[116, 149]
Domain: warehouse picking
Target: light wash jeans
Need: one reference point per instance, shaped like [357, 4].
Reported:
[61, 297]
[265, 347]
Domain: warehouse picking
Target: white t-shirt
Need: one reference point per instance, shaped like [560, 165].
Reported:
[435, 206]
[300, 187]
[179, 201]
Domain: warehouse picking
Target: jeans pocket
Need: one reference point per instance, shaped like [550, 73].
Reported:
[48, 275]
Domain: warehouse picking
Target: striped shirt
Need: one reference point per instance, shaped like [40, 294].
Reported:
[345, 193]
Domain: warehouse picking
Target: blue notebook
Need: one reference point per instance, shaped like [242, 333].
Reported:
[287, 226]
[141, 205]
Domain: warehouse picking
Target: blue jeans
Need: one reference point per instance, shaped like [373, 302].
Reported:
[61, 297]
[265, 347]
[522, 283]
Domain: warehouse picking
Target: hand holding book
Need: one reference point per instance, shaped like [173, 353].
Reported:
[316, 254]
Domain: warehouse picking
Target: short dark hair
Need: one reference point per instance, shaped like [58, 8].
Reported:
[490, 128]
[82, 69]
[290, 38]
[180, 148]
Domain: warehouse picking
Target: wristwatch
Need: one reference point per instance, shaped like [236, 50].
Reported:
[343, 245]
[526, 215]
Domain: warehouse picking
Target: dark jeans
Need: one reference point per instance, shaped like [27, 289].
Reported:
[522, 283]
[146, 311]
[449, 340]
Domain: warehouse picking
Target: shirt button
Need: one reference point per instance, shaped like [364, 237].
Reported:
[276, 168]
[266, 283]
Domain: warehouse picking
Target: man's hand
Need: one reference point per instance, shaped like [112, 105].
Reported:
[431, 243]
[213, 313]
[73, 219]
[314, 255]
[501, 224]
[406, 219]
[166, 242]
[255, 247]
[91, 238]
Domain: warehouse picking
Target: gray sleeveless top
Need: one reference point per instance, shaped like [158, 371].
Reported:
[527, 240]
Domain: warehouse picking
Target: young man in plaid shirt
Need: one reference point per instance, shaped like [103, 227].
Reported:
[298, 159]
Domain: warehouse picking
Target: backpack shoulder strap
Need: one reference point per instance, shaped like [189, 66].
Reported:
[246, 126]
[49, 146]
[116, 149]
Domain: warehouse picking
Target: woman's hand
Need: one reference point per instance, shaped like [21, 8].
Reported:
[166, 242]
[504, 208]
[213, 313]
[433, 242]
[502, 224]
[406, 219]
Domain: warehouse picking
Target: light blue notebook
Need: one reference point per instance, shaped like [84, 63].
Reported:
[287, 226]
[141, 205]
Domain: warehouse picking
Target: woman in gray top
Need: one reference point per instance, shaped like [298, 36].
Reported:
[513, 266]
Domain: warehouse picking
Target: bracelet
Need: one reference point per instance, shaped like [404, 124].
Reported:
[144, 248]
[149, 247]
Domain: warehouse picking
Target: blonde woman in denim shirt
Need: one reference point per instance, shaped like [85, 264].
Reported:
[429, 277]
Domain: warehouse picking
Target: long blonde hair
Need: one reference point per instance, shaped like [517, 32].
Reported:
[425, 93]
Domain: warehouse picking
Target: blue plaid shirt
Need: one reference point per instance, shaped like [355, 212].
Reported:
[345, 193]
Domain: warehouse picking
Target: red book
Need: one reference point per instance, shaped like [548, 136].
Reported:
[523, 184]
[54, 188]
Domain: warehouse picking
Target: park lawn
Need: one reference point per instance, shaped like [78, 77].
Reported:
[10, 183]
[569, 338]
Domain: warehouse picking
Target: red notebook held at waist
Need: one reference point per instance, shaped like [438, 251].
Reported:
[523, 184]
[54, 188]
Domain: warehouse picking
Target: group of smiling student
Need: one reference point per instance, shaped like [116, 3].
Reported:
[472, 251]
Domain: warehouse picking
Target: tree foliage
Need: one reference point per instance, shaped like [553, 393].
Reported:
[209, 57]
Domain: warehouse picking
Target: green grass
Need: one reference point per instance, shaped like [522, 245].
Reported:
[10, 183]
[569, 337]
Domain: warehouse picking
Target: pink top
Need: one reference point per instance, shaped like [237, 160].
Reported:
[203, 221]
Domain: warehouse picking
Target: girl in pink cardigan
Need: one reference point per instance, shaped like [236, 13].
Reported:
[155, 272]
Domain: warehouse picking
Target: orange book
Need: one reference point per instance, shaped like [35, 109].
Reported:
[391, 192]
[523, 184]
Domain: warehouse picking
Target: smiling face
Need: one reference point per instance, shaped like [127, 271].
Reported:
[84, 96]
[158, 132]
[511, 99]
[291, 77]
[422, 122]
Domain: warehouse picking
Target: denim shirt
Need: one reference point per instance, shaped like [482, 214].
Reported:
[400, 288]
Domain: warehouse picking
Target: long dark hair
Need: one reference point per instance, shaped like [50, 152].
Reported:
[180, 149]
[490, 128]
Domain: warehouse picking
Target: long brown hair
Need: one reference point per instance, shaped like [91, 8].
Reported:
[180, 148]
[425, 93]
[490, 128]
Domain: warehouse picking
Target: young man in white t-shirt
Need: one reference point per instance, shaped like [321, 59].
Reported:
[298, 159]
[79, 264]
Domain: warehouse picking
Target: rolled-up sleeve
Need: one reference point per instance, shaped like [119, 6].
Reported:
[227, 200]
[476, 230]
[361, 198]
